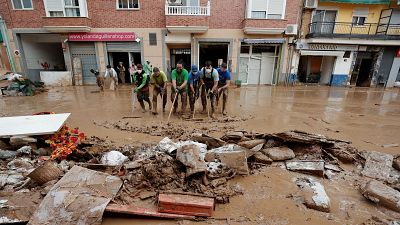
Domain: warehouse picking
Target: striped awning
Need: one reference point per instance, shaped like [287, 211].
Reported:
[264, 41]
[387, 2]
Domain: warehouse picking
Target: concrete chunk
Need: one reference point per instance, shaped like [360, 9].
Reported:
[314, 194]
[231, 157]
[279, 153]
[315, 167]
[189, 155]
[378, 166]
[382, 194]
[252, 143]
[261, 158]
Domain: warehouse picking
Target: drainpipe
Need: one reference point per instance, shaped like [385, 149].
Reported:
[3, 31]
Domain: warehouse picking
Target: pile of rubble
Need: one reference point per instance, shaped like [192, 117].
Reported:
[201, 166]
[18, 85]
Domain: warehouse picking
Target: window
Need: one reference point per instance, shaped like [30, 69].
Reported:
[152, 38]
[127, 4]
[22, 4]
[360, 16]
[266, 9]
[358, 20]
[245, 49]
[67, 8]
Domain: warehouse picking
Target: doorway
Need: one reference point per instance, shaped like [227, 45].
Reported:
[363, 79]
[182, 55]
[127, 58]
[215, 52]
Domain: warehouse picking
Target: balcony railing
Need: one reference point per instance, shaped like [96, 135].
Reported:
[180, 10]
[353, 30]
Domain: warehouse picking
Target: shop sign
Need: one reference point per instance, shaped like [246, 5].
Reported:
[109, 36]
[325, 47]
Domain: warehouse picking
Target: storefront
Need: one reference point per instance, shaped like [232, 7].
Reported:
[328, 64]
[88, 48]
[259, 61]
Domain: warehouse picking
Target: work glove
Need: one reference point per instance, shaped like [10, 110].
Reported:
[177, 90]
[136, 90]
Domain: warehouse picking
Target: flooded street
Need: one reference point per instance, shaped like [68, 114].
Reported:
[369, 118]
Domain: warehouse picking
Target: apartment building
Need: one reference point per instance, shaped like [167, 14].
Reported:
[349, 42]
[75, 36]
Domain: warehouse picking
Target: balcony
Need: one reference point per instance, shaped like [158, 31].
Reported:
[67, 24]
[352, 30]
[264, 26]
[187, 19]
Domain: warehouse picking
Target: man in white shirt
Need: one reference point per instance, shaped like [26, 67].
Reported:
[113, 75]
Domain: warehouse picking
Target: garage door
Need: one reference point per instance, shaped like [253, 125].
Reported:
[87, 53]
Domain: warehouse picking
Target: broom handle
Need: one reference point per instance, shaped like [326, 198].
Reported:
[173, 103]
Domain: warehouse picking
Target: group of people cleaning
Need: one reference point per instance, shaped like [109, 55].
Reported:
[207, 83]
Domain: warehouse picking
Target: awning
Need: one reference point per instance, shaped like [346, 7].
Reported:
[322, 53]
[387, 2]
[264, 41]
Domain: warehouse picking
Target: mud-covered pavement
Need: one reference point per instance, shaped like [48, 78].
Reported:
[367, 117]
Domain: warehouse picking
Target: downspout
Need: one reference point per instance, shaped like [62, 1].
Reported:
[3, 30]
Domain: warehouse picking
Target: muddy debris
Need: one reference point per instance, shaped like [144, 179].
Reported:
[314, 194]
[279, 153]
[381, 194]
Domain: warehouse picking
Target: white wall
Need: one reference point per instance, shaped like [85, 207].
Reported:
[342, 65]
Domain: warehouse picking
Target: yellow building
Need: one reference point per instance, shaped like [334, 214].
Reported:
[349, 42]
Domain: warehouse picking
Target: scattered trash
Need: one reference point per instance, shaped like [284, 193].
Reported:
[314, 194]
[113, 158]
[390, 145]
[63, 204]
[381, 194]
[166, 145]
[185, 205]
[45, 173]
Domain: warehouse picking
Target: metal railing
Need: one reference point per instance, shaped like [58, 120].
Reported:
[187, 10]
[340, 29]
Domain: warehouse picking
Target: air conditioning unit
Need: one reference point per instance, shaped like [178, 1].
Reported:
[311, 4]
[291, 29]
[175, 2]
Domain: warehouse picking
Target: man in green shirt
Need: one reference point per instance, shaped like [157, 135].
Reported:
[159, 80]
[179, 78]
[142, 86]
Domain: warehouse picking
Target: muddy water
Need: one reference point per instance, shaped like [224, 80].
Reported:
[367, 117]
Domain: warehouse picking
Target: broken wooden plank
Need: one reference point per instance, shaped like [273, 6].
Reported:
[185, 205]
[80, 197]
[141, 211]
[32, 125]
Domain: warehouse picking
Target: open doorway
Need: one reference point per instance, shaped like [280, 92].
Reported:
[215, 52]
[363, 68]
[127, 58]
[181, 55]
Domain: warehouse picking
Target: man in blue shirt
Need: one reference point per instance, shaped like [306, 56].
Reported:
[223, 84]
[194, 92]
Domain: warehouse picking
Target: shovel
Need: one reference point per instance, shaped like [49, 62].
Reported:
[170, 111]
[134, 98]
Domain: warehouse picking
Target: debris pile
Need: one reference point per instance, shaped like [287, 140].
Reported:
[19, 85]
[196, 172]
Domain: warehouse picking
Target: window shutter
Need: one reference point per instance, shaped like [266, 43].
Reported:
[275, 7]
[259, 5]
[360, 12]
[53, 5]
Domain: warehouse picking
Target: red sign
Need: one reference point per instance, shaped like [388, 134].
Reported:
[398, 53]
[124, 36]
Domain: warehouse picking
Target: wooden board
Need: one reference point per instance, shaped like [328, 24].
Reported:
[144, 211]
[32, 125]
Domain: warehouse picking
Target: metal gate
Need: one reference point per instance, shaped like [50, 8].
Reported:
[87, 53]
[123, 46]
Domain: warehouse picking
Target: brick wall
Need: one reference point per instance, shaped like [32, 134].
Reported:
[187, 20]
[306, 20]
[227, 14]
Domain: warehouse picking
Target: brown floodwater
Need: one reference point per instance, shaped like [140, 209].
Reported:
[367, 117]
